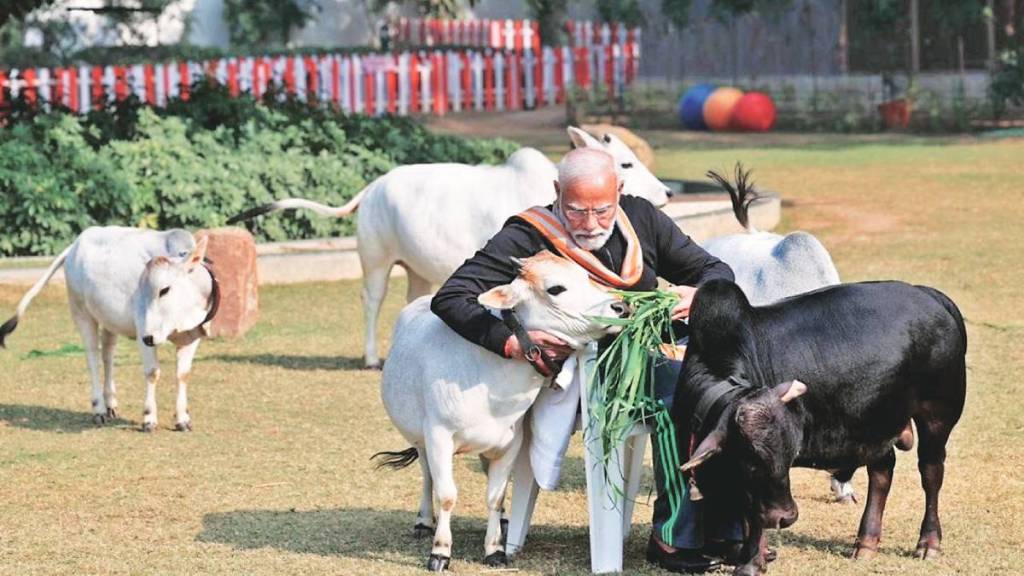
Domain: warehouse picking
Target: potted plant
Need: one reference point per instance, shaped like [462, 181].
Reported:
[895, 109]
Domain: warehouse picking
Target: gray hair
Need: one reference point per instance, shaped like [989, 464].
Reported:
[584, 163]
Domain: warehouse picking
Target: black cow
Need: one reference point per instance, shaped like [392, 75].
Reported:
[873, 355]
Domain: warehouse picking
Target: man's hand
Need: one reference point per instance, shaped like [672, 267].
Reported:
[682, 308]
[553, 348]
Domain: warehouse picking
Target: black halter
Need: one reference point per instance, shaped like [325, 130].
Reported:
[714, 401]
[213, 302]
[533, 353]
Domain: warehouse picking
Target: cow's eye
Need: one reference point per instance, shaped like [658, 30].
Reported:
[164, 291]
[627, 165]
[556, 290]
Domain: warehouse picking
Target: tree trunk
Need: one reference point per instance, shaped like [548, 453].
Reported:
[915, 38]
[990, 33]
[843, 48]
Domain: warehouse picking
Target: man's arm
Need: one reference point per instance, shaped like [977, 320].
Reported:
[682, 261]
[456, 301]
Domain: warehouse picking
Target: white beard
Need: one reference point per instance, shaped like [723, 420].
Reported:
[589, 243]
[595, 242]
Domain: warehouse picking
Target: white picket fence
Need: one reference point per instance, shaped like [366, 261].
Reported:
[426, 81]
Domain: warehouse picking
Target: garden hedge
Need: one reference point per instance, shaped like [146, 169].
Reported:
[195, 164]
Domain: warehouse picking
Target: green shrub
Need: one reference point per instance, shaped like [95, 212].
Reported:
[195, 164]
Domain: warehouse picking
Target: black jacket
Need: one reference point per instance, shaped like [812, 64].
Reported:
[667, 253]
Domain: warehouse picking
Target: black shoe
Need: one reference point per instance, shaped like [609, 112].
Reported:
[682, 561]
[728, 551]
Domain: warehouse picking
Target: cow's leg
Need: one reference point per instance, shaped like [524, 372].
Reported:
[933, 429]
[752, 555]
[425, 519]
[89, 330]
[182, 418]
[879, 481]
[375, 287]
[440, 453]
[417, 286]
[498, 472]
[151, 368]
[109, 343]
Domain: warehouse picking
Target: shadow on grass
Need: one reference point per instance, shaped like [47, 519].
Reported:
[377, 535]
[292, 362]
[52, 419]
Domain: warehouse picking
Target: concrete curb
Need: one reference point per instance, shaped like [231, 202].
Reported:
[330, 259]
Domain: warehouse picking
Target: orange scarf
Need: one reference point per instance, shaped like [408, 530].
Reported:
[547, 224]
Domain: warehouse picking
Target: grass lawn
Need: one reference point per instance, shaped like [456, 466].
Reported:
[275, 478]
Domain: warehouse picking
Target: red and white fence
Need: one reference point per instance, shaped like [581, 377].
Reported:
[414, 82]
[517, 35]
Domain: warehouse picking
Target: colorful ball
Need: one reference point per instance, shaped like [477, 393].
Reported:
[755, 112]
[691, 106]
[719, 107]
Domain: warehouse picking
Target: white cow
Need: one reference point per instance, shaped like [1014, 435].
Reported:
[448, 396]
[142, 284]
[771, 267]
[431, 217]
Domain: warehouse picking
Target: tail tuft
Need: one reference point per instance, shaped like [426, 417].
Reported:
[251, 213]
[7, 328]
[742, 194]
[396, 460]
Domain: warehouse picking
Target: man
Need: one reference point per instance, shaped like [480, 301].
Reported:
[624, 242]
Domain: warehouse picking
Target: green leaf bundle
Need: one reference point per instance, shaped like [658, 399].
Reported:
[622, 389]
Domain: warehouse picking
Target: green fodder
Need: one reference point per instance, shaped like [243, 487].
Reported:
[622, 389]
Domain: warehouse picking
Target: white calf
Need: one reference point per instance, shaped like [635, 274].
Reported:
[771, 267]
[448, 396]
[146, 285]
[431, 217]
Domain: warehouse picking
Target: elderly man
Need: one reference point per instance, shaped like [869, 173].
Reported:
[625, 243]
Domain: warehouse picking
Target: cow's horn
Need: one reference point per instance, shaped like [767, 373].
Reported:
[795, 389]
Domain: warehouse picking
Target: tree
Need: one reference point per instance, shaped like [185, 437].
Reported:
[261, 22]
[429, 8]
[956, 17]
[550, 14]
[18, 9]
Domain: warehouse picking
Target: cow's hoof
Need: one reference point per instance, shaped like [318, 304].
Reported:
[421, 530]
[149, 426]
[848, 499]
[378, 365]
[927, 553]
[438, 563]
[496, 559]
[864, 553]
[99, 419]
[183, 426]
[111, 413]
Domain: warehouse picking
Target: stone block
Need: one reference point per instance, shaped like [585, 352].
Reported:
[232, 256]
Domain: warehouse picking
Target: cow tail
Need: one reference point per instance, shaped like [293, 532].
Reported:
[742, 194]
[396, 460]
[294, 203]
[12, 323]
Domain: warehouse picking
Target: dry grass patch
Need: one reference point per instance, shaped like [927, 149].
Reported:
[275, 477]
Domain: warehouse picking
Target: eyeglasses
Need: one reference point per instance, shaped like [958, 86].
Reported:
[579, 214]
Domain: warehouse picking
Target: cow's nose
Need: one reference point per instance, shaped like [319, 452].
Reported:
[621, 309]
[148, 341]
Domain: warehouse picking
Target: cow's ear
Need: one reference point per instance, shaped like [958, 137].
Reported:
[581, 139]
[198, 254]
[503, 297]
[789, 390]
[705, 450]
